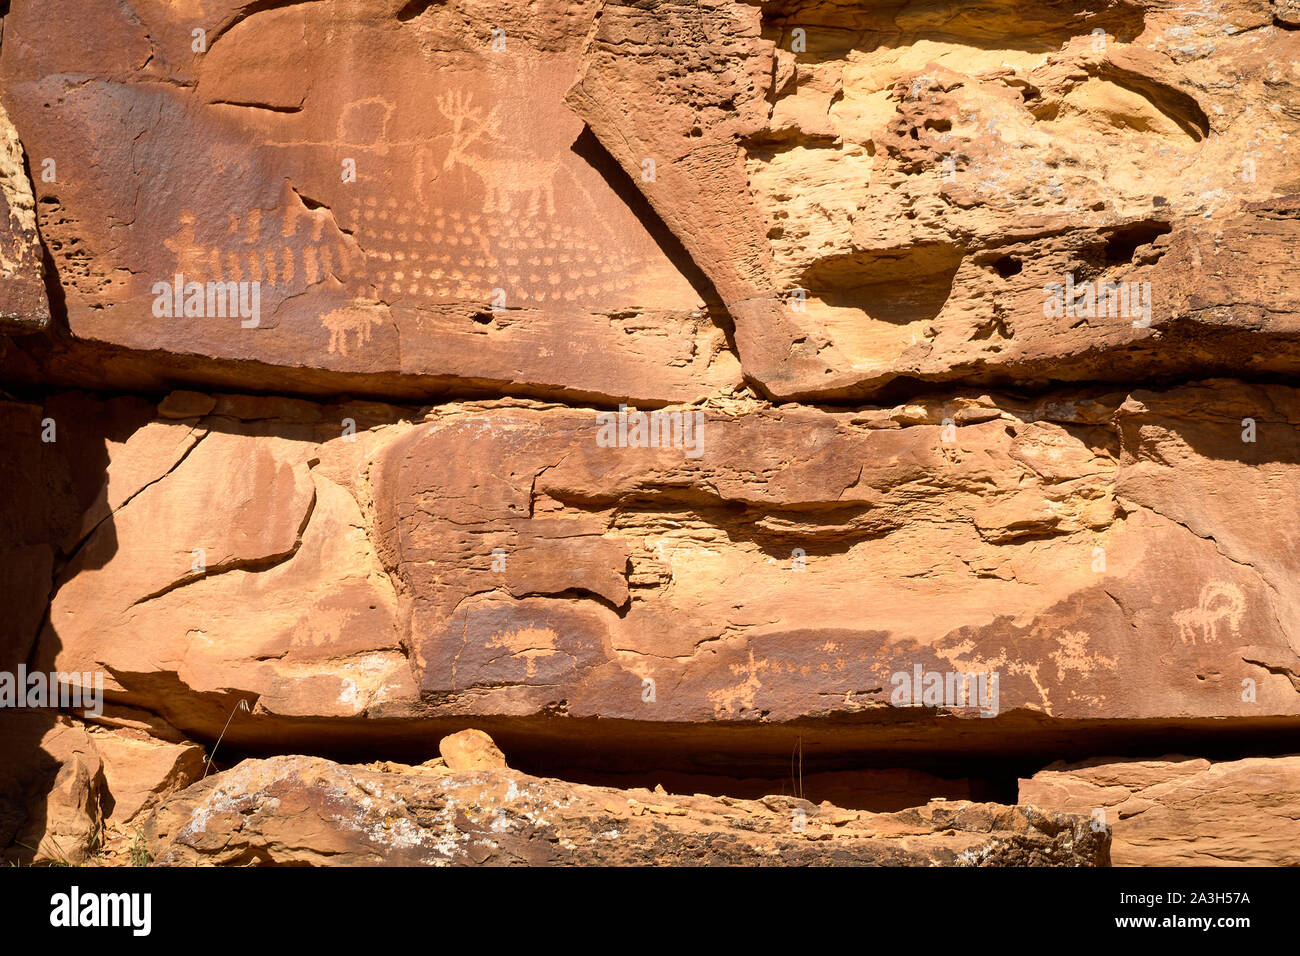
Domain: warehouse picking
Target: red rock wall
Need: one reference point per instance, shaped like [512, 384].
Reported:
[400, 482]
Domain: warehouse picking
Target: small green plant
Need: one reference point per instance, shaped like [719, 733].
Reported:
[57, 858]
[139, 853]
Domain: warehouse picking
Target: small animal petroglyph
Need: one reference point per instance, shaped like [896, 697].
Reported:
[1220, 601]
[357, 319]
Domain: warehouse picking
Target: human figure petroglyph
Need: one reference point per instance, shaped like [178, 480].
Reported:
[251, 258]
[1220, 600]
[294, 214]
[739, 698]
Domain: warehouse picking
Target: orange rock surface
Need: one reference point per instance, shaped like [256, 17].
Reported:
[861, 405]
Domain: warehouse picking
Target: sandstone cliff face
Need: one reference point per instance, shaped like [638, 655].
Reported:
[413, 206]
[967, 332]
[788, 572]
[980, 150]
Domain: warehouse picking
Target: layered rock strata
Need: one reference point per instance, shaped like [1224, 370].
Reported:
[868, 403]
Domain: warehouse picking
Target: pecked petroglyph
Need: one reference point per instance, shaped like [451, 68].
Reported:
[1221, 605]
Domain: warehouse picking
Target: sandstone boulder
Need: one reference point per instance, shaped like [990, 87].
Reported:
[68, 787]
[1182, 811]
[141, 768]
[471, 750]
[52, 790]
[303, 810]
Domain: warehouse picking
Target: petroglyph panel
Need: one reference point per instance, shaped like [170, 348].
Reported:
[384, 179]
[446, 256]
[806, 559]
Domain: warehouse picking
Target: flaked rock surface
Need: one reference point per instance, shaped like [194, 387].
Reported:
[304, 810]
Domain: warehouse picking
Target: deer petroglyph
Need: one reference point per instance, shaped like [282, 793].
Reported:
[505, 169]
